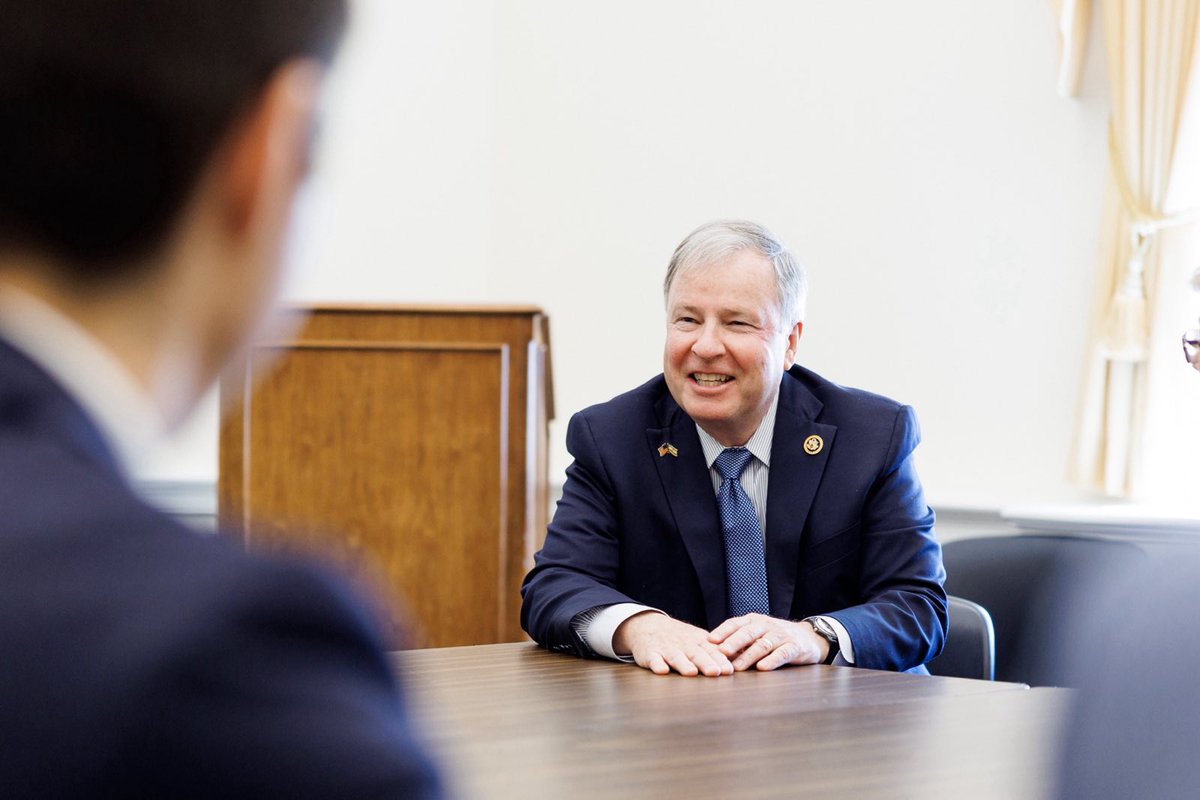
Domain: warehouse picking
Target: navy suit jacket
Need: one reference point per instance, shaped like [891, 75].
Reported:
[141, 659]
[848, 531]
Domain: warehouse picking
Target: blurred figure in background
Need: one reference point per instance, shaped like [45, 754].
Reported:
[1191, 347]
[1191, 339]
[149, 156]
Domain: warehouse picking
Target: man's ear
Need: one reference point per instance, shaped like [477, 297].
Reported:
[789, 357]
[270, 146]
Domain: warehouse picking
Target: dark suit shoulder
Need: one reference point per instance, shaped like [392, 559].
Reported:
[803, 391]
[643, 402]
[867, 423]
[145, 658]
[839, 399]
[634, 407]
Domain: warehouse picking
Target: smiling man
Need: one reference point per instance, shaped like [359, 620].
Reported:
[739, 511]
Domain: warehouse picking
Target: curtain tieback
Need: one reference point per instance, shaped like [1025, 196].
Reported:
[1126, 332]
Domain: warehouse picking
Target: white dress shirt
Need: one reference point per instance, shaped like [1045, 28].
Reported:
[597, 628]
[110, 396]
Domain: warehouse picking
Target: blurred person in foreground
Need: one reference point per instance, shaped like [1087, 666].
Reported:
[1134, 730]
[149, 156]
[740, 511]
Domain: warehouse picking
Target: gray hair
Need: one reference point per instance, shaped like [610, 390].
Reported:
[716, 240]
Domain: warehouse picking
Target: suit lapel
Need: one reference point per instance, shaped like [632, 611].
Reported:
[791, 486]
[689, 491]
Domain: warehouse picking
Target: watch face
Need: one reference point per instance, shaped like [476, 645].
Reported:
[822, 627]
[825, 630]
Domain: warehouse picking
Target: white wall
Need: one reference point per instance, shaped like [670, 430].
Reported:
[915, 155]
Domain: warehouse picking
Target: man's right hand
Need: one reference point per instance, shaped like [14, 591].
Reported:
[661, 644]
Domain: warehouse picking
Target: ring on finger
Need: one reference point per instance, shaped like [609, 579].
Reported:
[767, 641]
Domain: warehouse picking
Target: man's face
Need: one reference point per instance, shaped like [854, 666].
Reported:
[727, 347]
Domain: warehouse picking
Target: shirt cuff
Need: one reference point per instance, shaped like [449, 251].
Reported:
[598, 626]
[845, 646]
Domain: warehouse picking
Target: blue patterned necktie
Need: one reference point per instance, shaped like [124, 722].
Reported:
[745, 564]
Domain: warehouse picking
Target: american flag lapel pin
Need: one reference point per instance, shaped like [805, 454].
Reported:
[667, 447]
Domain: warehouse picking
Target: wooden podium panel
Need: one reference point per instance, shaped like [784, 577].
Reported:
[405, 445]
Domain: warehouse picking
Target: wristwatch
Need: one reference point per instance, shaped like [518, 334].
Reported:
[826, 631]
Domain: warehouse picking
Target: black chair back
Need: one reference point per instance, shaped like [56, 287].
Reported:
[970, 650]
[1039, 590]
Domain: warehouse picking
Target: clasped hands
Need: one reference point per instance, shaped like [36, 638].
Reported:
[662, 644]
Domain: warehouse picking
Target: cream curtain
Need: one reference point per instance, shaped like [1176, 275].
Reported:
[1073, 17]
[1149, 47]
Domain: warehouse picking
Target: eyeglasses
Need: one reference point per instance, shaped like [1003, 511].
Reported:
[1191, 344]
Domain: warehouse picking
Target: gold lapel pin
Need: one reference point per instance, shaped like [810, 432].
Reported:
[667, 447]
[813, 444]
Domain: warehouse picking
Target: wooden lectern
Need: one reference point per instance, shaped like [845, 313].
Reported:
[405, 444]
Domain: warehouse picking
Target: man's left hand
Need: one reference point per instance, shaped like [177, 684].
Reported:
[756, 640]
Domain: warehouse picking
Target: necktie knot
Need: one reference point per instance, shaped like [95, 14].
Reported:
[732, 462]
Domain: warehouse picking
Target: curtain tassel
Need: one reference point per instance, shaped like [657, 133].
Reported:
[1126, 332]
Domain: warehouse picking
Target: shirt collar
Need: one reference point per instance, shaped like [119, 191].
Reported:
[111, 397]
[759, 444]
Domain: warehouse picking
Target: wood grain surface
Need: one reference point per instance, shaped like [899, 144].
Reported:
[404, 445]
[514, 721]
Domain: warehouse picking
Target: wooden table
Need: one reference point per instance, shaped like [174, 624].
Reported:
[515, 721]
